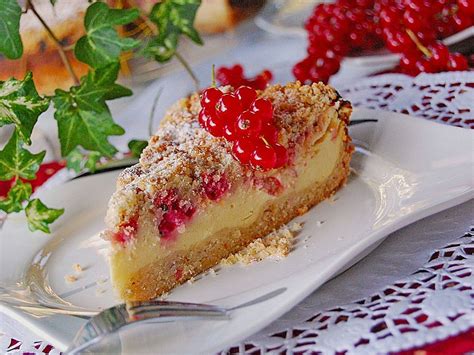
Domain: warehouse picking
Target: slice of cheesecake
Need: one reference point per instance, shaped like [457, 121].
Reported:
[190, 202]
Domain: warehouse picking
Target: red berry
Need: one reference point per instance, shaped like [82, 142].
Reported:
[204, 115]
[238, 71]
[215, 186]
[223, 76]
[300, 71]
[408, 64]
[127, 230]
[246, 95]
[267, 74]
[281, 155]
[440, 55]
[259, 82]
[263, 157]
[270, 133]
[414, 21]
[462, 20]
[229, 132]
[228, 107]
[457, 62]
[317, 74]
[215, 126]
[210, 97]
[248, 124]
[425, 66]
[242, 149]
[264, 109]
[466, 6]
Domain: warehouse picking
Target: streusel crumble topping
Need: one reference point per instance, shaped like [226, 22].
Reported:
[185, 165]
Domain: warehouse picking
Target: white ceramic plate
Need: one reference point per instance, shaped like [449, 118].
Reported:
[405, 168]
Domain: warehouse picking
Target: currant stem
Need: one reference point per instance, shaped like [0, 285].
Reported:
[213, 76]
[57, 42]
[265, 141]
[419, 45]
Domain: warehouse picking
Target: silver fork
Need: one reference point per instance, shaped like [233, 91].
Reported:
[112, 319]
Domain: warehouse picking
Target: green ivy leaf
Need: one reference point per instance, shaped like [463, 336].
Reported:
[136, 147]
[15, 161]
[101, 45]
[19, 193]
[78, 161]
[53, 2]
[83, 116]
[173, 18]
[10, 40]
[39, 216]
[21, 105]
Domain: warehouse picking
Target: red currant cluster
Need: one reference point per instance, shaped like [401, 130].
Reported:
[234, 76]
[409, 27]
[246, 121]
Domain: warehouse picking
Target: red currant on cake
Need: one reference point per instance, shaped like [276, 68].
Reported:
[248, 124]
[246, 121]
[263, 157]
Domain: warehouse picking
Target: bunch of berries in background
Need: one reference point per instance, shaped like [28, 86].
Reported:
[246, 121]
[411, 28]
[235, 77]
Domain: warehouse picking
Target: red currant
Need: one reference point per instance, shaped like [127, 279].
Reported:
[264, 109]
[300, 70]
[229, 132]
[425, 66]
[234, 76]
[215, 126]
[204, 116]
[462, 20]
[457, 62]
[263, 157]
[439, 55]
[246, 95]
[281, 155]
[228, 107]
[238, 71]
[242, 149]
[466, 6]
[248, 124]
[270, 133]
[210, 97]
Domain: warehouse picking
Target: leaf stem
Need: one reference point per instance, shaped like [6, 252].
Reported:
[57, 42]
[188, 69]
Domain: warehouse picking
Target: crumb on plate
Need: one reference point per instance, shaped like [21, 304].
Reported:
[70, 278]
[276, 245]
[77, 267]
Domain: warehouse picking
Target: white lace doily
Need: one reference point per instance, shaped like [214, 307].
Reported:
[445, 97]
[434, 303]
